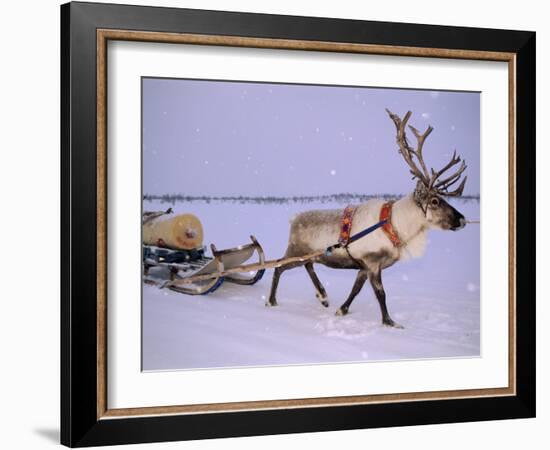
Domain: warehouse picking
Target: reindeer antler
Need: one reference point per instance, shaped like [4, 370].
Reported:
[405, 149]
[430, 181]
[442, 187]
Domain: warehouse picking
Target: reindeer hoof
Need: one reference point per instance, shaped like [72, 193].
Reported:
[391, 323]
[322, 299]
[271, 303]
[341, 311]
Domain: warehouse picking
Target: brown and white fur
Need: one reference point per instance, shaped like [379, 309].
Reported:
[313, 231]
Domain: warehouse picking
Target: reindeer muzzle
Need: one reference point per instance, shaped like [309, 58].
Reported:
[459, 224]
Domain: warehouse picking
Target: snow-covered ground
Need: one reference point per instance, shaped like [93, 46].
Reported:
[436, 298]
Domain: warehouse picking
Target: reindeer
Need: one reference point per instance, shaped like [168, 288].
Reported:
[402, 237]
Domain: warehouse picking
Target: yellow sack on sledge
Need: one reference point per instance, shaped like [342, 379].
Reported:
[181, 232]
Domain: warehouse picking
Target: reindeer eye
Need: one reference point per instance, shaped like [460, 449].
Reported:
[434, 201]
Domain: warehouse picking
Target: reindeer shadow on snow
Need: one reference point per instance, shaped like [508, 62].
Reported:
[403, 236]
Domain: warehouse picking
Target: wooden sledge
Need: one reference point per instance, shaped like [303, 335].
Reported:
[203, 274]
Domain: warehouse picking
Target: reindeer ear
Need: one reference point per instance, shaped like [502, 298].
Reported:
[421, 193]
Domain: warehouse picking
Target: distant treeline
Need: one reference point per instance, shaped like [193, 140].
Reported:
[269, 199]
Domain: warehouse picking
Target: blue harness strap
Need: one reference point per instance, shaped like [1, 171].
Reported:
[367, 231]
[356, 236]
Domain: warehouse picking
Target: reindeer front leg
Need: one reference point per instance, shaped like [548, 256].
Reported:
[362, 276]
[376, 283]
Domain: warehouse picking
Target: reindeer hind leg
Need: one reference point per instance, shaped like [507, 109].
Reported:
[321, 293]
[272, 301]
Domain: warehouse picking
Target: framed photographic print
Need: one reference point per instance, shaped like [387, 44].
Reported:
[277, 224]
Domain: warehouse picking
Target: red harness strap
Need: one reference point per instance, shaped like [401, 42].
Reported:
[345, 225]
[385, 214]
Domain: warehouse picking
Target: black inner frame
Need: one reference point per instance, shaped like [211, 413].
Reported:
[79, 424]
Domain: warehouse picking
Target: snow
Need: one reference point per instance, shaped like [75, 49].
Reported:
[436, 298]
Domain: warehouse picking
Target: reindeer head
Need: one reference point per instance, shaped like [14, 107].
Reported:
[430, 187]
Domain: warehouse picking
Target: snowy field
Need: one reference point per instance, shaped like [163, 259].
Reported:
[436, 298]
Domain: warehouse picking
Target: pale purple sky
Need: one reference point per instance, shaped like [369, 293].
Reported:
[238, 138]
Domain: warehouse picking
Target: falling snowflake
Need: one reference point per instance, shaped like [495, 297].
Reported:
[333, 172]
[425, 115]
[471, 287]
[205, 162]
[198, 130]
[405, 277]
[317, 130]
[350, 139]
[453, 128]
